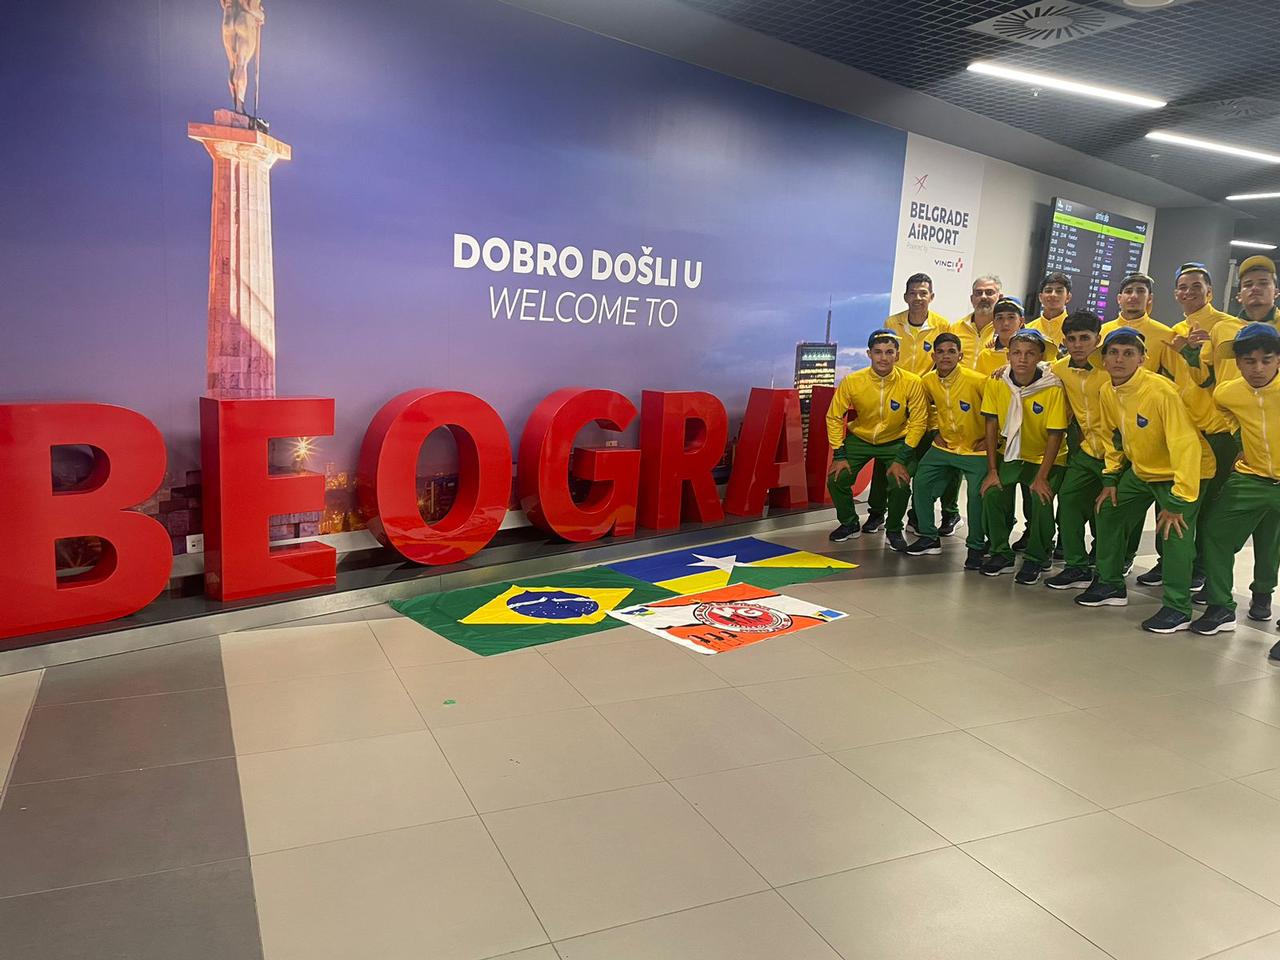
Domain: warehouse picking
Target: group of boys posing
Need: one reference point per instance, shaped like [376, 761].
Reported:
[1106, 419]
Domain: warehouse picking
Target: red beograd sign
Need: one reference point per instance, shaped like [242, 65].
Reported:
[667, 481]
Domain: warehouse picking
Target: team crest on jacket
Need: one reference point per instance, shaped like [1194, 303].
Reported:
[894, 405]
[965, 407]
[927, 346]
[1036, 408]
[1142, 421]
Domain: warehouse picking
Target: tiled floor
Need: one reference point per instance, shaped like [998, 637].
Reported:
[963, 768]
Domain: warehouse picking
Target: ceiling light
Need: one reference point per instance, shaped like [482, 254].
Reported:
[1213, 146]
[1049, 82]
[1253, 244]
[1254, 196]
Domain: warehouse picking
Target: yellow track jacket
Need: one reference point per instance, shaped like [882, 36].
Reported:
[1052, 330]
[1258, 414]
[971, 339]
[957, 406]
[915, 351]
[886, 408]
[1155, 435]
[1082, 385]
[1156, 334]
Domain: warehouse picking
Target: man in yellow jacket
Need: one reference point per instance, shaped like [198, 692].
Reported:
[1165, 456]
[1249, 502]
[1184, 361]
[974, 328]
[1055, 294]
[1025, 407]
[1082, 377]
[1134, 310]
[1257, 299]
[958, 449]
[891, 414]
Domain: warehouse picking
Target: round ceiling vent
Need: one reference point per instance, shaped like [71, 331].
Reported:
[1049, 24]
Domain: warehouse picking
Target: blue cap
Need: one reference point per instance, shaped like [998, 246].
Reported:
[1264, 332]
[1035, 336]
[1193, 266]
[1125, 331]
[884, 333]
[1008, 303]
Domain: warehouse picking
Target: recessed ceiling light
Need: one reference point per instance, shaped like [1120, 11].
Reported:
[1254, 196]
[1213, 146]
[1147, 4]
[1253, 244]
[1049, 82]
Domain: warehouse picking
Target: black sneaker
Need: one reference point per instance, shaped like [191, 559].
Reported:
[1128, 567]
[929, 546]
[1057, 552]
[1072, 578]
[874, 524]
[842, 533]
[1022, 541]
[973, 560]
[1028, 573]
[1275, 651]
[949, 523]
[995, 565]
[1260, 608]
[1166, 620]
[894, 540]
[913, 525]
[1101, 595]
[1197, 581]
[1201, 597]
[1216, 620]
[1153, 577]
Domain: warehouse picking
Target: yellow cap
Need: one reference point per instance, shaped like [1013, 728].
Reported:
[1258, 262]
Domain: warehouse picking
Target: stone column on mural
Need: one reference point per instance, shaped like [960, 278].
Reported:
[241, 357]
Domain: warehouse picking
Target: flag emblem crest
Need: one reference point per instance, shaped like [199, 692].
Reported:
[1142, 421]
[965, 406]
[1036, 407]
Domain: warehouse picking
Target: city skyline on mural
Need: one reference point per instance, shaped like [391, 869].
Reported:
[471, 119]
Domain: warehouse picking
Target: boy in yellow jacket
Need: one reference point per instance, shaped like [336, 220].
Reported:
[1082, 377]
[891, 414]
[1055, 294]
[1165, 456]
[1134, 303]
[1249, 502]
[1026, 407]
[958, 449]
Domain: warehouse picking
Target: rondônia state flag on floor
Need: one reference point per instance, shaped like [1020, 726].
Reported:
[745, 560]
[718, 620]
[498, 617]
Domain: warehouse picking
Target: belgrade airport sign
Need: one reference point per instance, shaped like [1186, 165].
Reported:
[665, 482]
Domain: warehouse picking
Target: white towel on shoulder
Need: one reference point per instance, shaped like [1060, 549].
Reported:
[1013, 417]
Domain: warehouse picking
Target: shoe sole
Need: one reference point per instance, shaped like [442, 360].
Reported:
[1109, 602]
[996, 573]
[1148, 583]
[1026, 583]
[1227, 627]
[1179, 628]
[933, 552]
[1259, 619]
[1068, 586]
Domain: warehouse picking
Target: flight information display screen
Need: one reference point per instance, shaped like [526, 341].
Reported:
[1095, 248]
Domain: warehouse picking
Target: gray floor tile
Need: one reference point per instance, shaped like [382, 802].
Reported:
[192, 665]
[196, 913]
[66, 832]
[104, 736]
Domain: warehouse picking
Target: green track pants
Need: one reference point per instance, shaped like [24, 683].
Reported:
[1115, 525]
[1247, 506]
[938, 472]
[997, 511]
[1081, 485]
[857, 454]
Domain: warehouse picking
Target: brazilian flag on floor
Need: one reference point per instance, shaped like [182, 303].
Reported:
[499, 617]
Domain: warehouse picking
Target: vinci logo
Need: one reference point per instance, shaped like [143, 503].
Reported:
[956, 264]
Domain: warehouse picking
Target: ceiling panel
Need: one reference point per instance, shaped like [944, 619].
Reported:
[1217, 63]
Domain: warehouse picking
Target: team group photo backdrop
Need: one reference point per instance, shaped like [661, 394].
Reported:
[455, 195]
